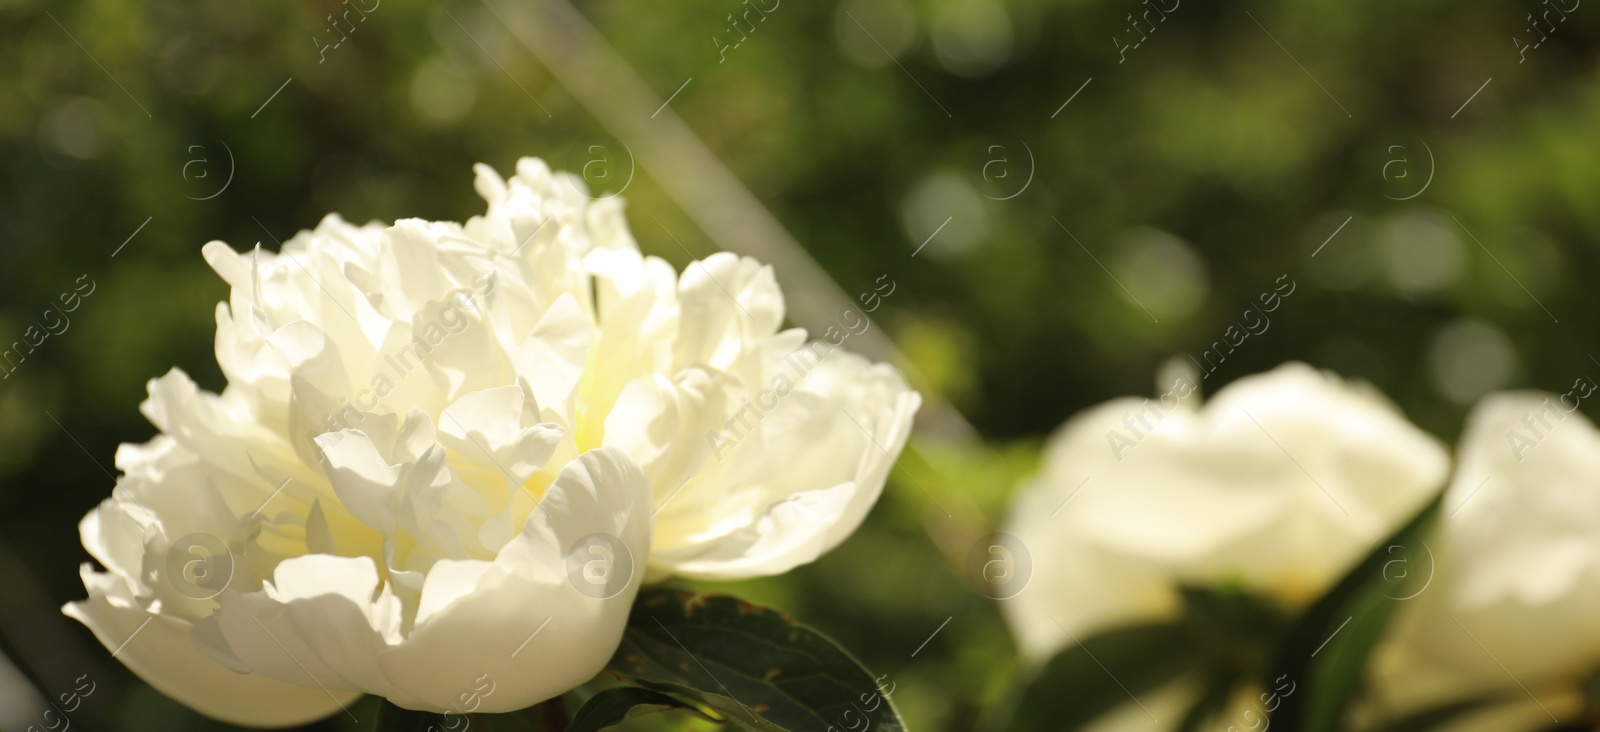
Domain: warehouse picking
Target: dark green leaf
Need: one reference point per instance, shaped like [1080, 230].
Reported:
[715, 706]
[739, 659]
[1325, 655]
[612, 706]
[533, 719]
[1104, 671]
[1235, 632]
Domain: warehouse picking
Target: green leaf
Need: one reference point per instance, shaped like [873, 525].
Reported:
[717, 707]
[533, 719]
[1104, 671]
[1325, 655]
[613, 706]
[748, 664]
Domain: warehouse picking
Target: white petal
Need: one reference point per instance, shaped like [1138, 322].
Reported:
[556, 351]
[157, 648]
[322, 624]
[1518, 557]
[1278, 484]
[367, 485]
[798, 484]
[526, 627]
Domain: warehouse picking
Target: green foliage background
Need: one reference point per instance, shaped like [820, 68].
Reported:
[1209, 132]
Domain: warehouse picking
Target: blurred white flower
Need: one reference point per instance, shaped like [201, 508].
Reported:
[436, 439]
[1278, 485]
[1518, 580]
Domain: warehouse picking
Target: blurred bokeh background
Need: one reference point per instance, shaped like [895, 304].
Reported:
[1192, 172]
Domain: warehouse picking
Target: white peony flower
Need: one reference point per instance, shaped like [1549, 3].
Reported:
[438, 439]
[1278, 485]
[1517, 551]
